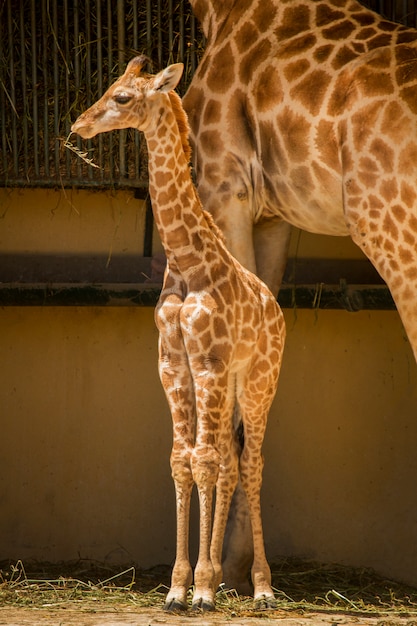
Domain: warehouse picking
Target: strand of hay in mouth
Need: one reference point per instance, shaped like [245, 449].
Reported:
[82, 155]
[300, 587]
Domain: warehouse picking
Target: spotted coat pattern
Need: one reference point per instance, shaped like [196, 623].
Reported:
[221, 337]
[304, 113]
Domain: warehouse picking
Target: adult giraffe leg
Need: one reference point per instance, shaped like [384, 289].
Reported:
[387, 234]
[271, 239]
[270, 243]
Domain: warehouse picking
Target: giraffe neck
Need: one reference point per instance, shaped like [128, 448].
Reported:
[211, 14]
[182, 225]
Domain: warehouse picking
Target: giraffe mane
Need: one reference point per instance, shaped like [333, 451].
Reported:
[182, 121]
[184, 129]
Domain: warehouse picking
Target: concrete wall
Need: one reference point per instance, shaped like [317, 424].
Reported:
[86, 433]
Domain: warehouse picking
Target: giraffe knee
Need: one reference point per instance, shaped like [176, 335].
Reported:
[205, 463]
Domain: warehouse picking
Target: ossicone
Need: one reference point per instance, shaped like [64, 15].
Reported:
[136, 65]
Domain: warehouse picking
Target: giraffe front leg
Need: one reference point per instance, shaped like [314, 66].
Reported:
[205, 467]
[182, 577]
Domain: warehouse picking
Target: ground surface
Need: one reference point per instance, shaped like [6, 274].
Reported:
[157, 617]
[86, 593]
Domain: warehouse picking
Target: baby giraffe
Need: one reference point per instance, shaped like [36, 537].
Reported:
[221, 337]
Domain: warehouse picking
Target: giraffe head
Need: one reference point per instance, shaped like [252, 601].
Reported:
[131, 102]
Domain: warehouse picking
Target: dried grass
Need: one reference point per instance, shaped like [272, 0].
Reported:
[300, 587]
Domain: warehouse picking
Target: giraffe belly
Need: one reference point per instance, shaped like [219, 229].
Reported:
[322, 213]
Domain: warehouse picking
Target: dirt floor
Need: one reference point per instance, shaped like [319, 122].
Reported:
[86, 593]
[157, 617]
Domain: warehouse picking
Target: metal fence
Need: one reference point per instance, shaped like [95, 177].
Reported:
[58, 56]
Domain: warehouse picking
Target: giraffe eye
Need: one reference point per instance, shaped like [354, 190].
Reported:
[122, 98]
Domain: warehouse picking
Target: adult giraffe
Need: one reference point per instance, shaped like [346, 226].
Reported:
[304, 113]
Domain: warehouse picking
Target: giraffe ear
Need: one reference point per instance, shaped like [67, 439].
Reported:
[168, 79]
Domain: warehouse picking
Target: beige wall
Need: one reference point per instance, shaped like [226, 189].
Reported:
[85, 438]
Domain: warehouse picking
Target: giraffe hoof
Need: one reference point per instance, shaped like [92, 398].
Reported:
[265, 602]
[203, 605]
[175, 606]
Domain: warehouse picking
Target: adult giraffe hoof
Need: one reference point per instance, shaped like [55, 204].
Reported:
[175, 606]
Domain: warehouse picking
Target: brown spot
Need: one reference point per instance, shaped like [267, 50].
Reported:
[407, 36]
[246, 36]
[325, 15]
[343, 56]
[213, 174]
[375, 204]
[339, 99]
[211, 142]
[408, 195]
[388, 189]
[339, 31]
[412, 222]
[409, 95]
[297, 47]
[406, 72]
[383, 153]
[294, 129]
[221, 74]
[358, 47]
[302, 180]
[403, 54]
[373, 83]
[293, 71]
[396, 125]
[268, 89]
[311, 89]
[388, 26]
[364, 18]
[264, 14]
[368, 172]
[240, 121]
[274, 157]
[253, 59]
[179, 237]
[212, 112]
[379, 41]
[389, 246]
[411, 273]
[394, 265]
[390, 227]
[405, 255]
[327, 144]
[322, 53]
[295, 20]
[365, 33]
[408, 159]
[399, 213]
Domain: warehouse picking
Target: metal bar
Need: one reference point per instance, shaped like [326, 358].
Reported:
[35, 99]
[45, 65]
[3, 82]
[14, 113]
[99, 35]
[24, 91]
[110, 79]
[67, 100]
[121, 62]
[56, 87]
[77, 70]
[331, 297]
